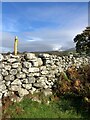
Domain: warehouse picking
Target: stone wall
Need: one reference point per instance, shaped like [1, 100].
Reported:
[27, 73]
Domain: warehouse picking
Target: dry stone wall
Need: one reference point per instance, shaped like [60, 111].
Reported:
[27, 73]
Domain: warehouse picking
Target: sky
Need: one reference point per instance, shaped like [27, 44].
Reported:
[45, 0]
[42, 26]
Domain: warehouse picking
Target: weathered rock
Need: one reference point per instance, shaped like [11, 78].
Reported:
[27, 86]
[21, 75]
[0, 95]
[35, 63]
[1, 65]
[1, 77]
[15, 88]
[8, 93]
[9, 77]
[7, 83]
[25, 81]
[33, 89]
[3, 87]
[19, 69]
[39, 85]
[16, 82]
[27, 64]
[30, 56]
[7, 67]
[42, 79]
[4, 91]
[25, 70]
[33, 69]
[36, 74]
[13, 71]
[15, 65]
[1, 57]
[44, 72]
[4, 72]
[43, 68]
[40, 62]
[31, 80]
[47, 92]
[44, 55]
[12, 60]
[22, 92]
[14, 56]
[36, 99]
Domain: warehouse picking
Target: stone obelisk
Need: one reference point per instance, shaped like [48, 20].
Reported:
[15, 45]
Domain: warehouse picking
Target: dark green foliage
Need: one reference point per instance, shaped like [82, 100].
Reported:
[83, 42]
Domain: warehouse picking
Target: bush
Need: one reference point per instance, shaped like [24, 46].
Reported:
[75, 82]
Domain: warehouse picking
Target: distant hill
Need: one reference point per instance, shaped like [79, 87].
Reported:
[58, 52]
[71, 49]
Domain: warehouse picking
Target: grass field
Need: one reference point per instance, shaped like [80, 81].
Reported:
[63, 108]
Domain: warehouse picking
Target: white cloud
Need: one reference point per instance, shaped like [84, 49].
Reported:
[32, 39]
[48, 39]
[45, 38]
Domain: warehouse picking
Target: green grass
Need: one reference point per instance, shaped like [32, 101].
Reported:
[64, 108]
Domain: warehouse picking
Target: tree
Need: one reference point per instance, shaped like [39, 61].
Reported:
[83, 41]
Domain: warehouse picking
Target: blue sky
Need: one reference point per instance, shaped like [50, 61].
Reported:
[42, 26]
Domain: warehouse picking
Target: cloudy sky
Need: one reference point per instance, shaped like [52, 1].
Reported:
[42, 26]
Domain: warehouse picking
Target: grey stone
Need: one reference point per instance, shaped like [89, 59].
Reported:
[33, 69]
[9, 77]
[27, 64]
[19, 69]
[35, 63]
[36, 99]
[44, 55]
[25, 81]
[0, 96]
[36, 74]
[13, 71]
[4, 91]
[39, 84]
[30, 56]
[31, 80]
[44, 72]
[47, 92]
[4, 72]
[11, 60]
[3, 87]
[1, 57]
[22, 92]
[40, 62]
[14, 88]
[42, 79]
[27, 86]
[16, 82]
[1, 65]
[7, 67]
[1, 77]
[7, 83]
[42, 68]
[25, 70]
[6, 94]
[21, 75]
[14, 56]
[15, 65]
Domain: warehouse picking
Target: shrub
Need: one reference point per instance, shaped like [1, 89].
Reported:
[75, 82]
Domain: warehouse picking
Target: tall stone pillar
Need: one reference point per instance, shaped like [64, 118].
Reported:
[15, 45]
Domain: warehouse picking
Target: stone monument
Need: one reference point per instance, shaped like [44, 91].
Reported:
[15, 45]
